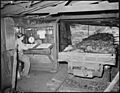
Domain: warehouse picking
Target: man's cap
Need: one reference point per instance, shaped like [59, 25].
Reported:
[20, 35]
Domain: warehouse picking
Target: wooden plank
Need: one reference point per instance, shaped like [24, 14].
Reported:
[3, 43]
[78, 8]
[55, 47]
[37, 25]
[20, 9]
[90, 7]
[9, 33]
[86, 16]
[12, 10]
[50, 9]
[87, 58]
[108, 15]
[57, 39]
[14, 69]
[6, 44]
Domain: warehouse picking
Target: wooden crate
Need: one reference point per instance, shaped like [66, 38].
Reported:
[92, 61]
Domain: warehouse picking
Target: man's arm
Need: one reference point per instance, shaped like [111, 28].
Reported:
[21, 45]
[24, 47]
[30, 45]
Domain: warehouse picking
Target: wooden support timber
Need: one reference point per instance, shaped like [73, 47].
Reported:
[112, 84]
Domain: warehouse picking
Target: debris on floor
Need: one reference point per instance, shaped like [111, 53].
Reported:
[82, 85]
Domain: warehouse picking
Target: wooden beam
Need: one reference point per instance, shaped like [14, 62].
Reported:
[79, 8]
[50, 9]
[111, 15]
[59, 8]
[90, 7]
[21, 8]
[97, 16]
[93, 19]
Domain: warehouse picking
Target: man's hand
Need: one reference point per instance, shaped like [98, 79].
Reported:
[25, 48]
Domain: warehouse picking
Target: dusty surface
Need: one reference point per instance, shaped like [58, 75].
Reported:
[38, 80]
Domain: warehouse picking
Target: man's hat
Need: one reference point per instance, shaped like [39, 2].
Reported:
[20, 35]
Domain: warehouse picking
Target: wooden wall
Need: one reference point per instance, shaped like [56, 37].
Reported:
[7, 51]
[6, 60]
[9, 33]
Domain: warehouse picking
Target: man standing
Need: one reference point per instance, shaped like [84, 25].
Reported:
[24, 58]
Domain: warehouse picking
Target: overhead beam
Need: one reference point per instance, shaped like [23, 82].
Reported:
[108, 15]
[94, 19]
[21, 9]
[78, 8]
[90, 7]
[100, 23]
[59, 8]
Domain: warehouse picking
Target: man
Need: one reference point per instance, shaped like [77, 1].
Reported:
[24, 58]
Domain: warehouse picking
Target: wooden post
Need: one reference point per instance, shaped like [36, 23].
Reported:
[112, 84]
[57, 42]
[55, 47]
[14, 69]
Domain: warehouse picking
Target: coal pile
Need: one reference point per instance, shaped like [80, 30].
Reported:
[97, 43]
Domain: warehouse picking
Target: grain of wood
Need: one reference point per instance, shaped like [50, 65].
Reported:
[87, 57]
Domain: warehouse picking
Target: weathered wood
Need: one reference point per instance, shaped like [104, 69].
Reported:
[14, 9]
[6, 70]
[55, 46]
[14, 69]
[90, 7]
[3, 46]
[9, 33]
[57, 37]
[78, 8]
[103, 15]
[87, 58]
[9, 43]
[112, 84]
[6, 60]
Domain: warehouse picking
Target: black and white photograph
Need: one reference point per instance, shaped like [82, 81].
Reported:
[60, 46]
